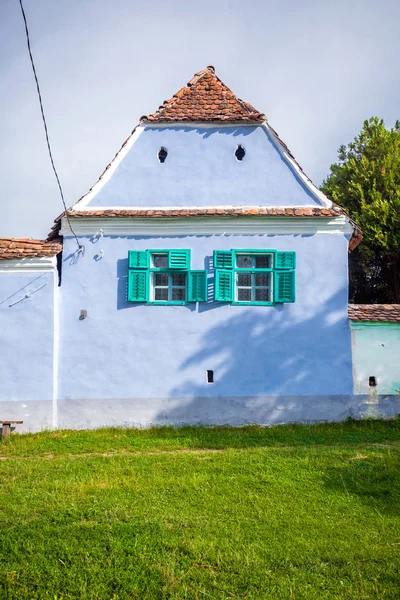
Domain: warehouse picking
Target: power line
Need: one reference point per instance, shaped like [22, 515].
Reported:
[80, 247]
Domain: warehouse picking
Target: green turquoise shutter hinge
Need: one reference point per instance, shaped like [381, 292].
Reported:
[179, 259]
[285, 260]
[137, 286]
[284, 286]
[223, 288]
[138, 259]
[197, 286]
[223, 259]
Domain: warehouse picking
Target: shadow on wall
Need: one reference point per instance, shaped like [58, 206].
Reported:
[282, 355]
[122, 279]
[206, 132]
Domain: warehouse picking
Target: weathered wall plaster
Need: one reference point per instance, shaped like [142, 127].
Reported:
[376, 353]
[201, 170]
[125, 350]
[84, 413]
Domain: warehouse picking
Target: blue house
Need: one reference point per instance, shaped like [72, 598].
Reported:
[203, 279]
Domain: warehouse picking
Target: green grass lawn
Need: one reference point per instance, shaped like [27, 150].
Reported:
[283, 512]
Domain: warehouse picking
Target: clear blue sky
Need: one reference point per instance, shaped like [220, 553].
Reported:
[316, 68]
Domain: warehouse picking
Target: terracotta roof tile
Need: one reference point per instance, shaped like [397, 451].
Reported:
[15, 248]
[146, 213]
[375, 312]
[166, 213]
[205, 98]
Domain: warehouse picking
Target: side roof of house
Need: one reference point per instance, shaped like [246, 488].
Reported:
[19, 248]
[389, 313]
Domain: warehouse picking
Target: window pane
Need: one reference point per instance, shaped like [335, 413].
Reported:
[262, 295]
[244, 279]
[262, 279]
[263, 261]
[244, 295]
[160, 261]
[161, 279]
[178, 279]
[244, 261]
[178, 293]
[161, 294]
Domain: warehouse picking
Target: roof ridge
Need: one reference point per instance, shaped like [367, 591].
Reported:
[213, 101]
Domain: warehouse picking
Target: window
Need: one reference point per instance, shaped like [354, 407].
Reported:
[254, 276]
[254, 285]
[168, 287]
[164, 277]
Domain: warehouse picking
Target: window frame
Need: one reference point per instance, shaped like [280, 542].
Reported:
[141, 272]
[278, 270]
[170, 287]
[150, 278]
[253, 270]
[253, 287]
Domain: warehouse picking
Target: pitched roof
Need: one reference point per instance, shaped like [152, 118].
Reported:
[15, 248]
[205, 98]
[374, 312]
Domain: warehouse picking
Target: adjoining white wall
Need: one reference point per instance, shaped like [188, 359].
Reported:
[27, 301]
[376, 353]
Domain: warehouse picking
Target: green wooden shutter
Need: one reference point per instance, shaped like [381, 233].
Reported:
[223, 289]
[179, 259]
[284, 286]
[285, 260]
[138, 259]
[137, 286]
[223, 259]
[197, 289]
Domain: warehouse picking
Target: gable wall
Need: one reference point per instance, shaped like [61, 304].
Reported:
[201, 170]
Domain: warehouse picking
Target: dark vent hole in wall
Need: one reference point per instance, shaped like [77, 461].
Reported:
[162, 154]
[240, 152]
[372, 381]
[210, 376]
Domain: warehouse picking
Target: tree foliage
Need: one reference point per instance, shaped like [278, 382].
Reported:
[366, 182]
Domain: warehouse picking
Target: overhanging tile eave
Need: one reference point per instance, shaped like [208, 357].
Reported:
[207, 212]
[389, 313]
[19, 248]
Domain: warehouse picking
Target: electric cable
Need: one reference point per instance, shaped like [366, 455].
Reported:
[80, 246]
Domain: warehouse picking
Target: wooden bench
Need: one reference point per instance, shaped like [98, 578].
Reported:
[6, 427]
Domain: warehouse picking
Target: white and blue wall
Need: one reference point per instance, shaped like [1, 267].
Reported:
[139, 364]
[158, 356]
